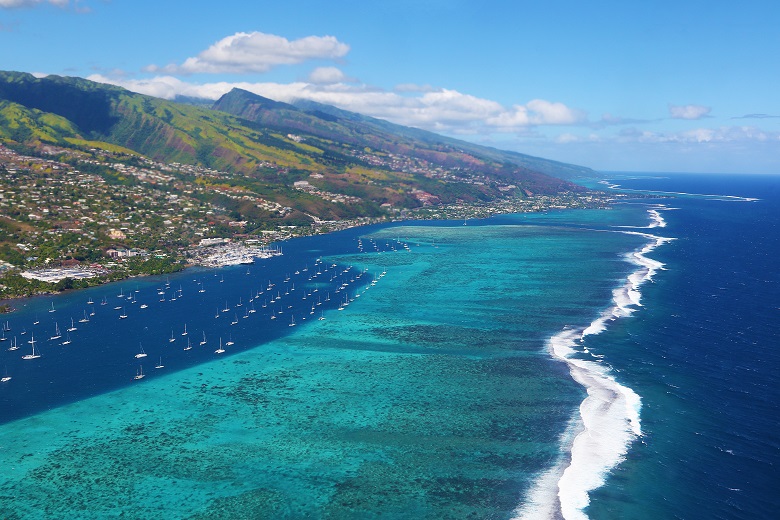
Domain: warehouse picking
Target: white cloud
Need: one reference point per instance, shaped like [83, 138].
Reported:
[689, 111]
[723, 134]
[76, 5]
[256, 52]
[441, 110]
[6, 4]
[567, 138]
[538, 112]
[328, 75]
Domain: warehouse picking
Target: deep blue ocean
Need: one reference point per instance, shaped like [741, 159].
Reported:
[703, 354]
[423, 370]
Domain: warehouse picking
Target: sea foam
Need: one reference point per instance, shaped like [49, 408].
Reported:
[609, 418]
[711, 196]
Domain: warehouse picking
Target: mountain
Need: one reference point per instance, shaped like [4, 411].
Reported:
[351, 164]
[334, 125]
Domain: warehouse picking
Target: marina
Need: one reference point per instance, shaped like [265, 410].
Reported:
[230, 254]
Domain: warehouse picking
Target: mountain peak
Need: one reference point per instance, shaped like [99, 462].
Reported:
[239, 99]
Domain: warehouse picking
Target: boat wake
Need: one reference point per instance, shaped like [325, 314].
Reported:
[609, 419]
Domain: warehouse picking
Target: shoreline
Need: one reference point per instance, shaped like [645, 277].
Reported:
[597, 439]
[595, 200]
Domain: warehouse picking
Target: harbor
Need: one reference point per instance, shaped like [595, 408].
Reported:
[230, 253]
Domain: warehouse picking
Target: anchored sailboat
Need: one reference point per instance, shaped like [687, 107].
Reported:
[33, 355]
[57, 333]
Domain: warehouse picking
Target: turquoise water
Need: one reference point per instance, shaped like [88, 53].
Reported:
[432, 395]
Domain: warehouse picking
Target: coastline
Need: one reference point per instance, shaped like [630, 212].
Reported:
[465, 212]
[609, 417]
[401, 340]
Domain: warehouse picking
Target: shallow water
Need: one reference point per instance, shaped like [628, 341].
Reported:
[432, 395]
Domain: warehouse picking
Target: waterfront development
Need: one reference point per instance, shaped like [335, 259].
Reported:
[71, 219]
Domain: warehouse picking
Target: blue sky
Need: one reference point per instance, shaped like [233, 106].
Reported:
[614, 85]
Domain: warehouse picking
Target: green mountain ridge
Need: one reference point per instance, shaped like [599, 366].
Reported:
[351, 163]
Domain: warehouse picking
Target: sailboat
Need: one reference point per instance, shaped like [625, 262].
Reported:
[52, 307]
[292, 321]
[185, 330]
[172, 339]
[123, 315]
[141, 354]
[57, 333]
[322, 317]
[3, 338]
[104, 302]
[160, 365]
[33, 355]
[14, 346]
[90, 302]
[220, 350]
[229, 341]
[67, 341]
[6, 377]
[72, 326]
[204, 338]
[189, 345]
[140, 373]
[84, 319]
[235, 320]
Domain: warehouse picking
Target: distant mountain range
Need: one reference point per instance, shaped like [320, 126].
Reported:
[249, 135]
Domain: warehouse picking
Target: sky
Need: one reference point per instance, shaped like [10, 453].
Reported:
[670, 86]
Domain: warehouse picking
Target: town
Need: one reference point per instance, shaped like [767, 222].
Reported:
[74, 218]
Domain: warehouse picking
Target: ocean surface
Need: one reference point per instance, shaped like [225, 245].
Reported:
[614, 363]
